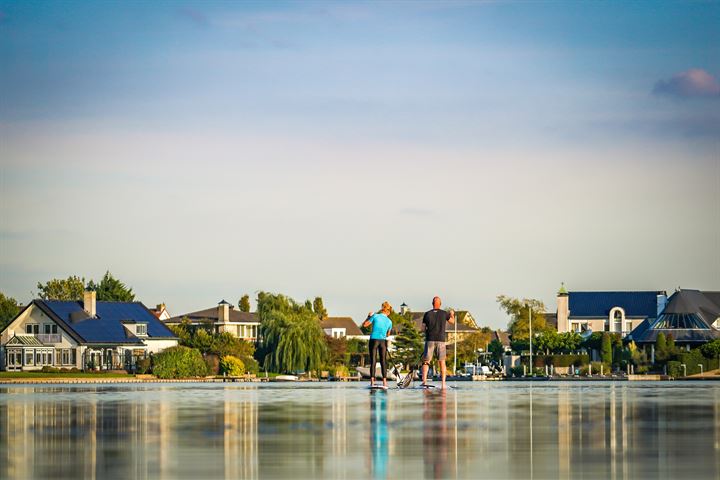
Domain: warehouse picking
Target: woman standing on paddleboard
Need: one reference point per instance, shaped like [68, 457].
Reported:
[381, 326]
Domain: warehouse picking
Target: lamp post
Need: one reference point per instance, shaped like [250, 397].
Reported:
[701, 368]
[455, 359]
[684, 370]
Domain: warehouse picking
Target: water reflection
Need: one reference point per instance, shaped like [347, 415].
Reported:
[379, 434]
[510, 430]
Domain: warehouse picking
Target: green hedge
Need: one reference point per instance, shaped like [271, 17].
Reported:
[561, 360]
[692, 359]
[179, 362]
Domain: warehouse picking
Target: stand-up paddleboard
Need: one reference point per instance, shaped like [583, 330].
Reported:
[432, 387]
[377, 387]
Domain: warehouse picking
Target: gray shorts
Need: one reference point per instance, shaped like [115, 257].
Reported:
[431, 347]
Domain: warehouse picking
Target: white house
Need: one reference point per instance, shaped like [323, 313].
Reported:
[83, 335]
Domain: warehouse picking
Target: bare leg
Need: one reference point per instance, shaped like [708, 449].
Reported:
[443, 371]
[425, 368]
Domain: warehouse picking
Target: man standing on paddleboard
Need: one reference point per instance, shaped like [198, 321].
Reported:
[381, 326]
[434, 325]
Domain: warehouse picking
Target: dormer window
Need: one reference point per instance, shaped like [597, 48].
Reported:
[141, 329]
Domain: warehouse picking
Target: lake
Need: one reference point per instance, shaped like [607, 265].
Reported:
[496, 430]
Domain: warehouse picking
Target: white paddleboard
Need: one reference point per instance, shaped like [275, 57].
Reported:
[377, 387]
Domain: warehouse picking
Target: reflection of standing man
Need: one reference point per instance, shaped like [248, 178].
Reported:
[379, 435]
[434, 325]
[436, 438]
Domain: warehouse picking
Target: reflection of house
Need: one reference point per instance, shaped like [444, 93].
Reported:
[83, 334]
[223, 318]
[618, 312]
[339, 327]
[687, 317]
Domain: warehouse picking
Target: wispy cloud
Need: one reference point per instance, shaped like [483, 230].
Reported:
[695, 82]
[195, 16]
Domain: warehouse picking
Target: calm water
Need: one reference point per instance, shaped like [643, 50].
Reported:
[481, 430]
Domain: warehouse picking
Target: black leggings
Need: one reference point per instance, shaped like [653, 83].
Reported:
[378, 346]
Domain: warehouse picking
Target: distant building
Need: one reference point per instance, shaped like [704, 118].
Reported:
[83, 335]
[222, 318]
[342, 327]
[503, 338]
[161, 312]
[617, 312]
[688, 318]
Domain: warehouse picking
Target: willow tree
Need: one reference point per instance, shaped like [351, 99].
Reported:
[292, 338]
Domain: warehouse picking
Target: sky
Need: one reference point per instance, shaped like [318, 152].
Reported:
[360, 151]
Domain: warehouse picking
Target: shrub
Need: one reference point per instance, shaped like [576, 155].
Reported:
[48, 369]
[674, 369]
[341, 371]
[517, 371]
[596, 366]
[143, 365]
[179, 362]
[251, 365]
[232, 366]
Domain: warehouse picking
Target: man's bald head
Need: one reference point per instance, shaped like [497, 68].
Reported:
[436, 302]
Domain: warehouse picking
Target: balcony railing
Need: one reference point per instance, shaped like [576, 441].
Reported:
[47, 338]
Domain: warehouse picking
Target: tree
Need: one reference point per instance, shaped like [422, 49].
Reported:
[661, 347]
[468, 347]
[291, 335]
[606, 349]
[408, 343]
[497, 350]
[672, 350]
[711, 349]
[319, 308]
[69, 289]
[110, 289]
[244, 303]
[517, 309]
[8, 310]
[336, 349]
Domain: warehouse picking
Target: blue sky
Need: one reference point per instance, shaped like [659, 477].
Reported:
[361, 151]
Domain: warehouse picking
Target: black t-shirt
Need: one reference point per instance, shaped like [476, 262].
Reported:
[434, 321]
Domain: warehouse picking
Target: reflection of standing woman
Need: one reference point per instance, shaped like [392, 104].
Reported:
[381, 326]
[379, 436]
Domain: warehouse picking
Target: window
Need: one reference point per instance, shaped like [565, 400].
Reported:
[617, 317]
[141, 329]
[29, 358]
[38, 358]
[45, 358]
[47, 328]
[28, 328]
[73, 357]
[53, 328]
[65, 357]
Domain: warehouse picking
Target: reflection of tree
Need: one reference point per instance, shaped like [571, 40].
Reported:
[379, 435]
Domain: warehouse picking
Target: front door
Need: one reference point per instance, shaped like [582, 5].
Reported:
[13, 359]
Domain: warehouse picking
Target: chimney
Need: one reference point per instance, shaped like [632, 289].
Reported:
[89, 303]
[223, 312]
[563, 310]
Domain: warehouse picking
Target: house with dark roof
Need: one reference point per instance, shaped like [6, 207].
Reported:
[617, 312]
[688, 318]
[83, 335]
[222, 318]
[342, 327]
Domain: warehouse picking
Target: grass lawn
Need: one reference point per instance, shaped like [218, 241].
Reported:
[62, 375]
